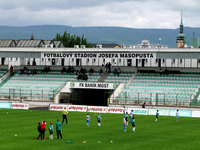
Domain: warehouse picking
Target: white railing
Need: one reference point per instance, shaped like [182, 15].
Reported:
[117, 91]
[7, 74]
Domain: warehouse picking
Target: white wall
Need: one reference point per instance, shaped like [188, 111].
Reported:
[181, 63]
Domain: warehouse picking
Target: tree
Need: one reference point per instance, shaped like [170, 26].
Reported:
[69, 40]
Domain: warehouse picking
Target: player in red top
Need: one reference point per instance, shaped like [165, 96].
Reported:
[43, 129]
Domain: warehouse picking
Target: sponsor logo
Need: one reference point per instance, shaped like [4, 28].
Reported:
[19, 105]
[77, 108]
[115, 85]
[72, 84]
[115, 109]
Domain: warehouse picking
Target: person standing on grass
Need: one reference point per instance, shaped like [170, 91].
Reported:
[131, 116]
[58, 129]
[177, 115]
[126, 117]
[124, 124]
[43, 129]
[124, 110]
[99, 119]
[51, 131]
[64, 113]
[88, 120]
[157, 114]
[133, 124]
[39, 130]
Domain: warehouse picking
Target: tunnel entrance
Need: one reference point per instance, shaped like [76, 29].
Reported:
[96, 97]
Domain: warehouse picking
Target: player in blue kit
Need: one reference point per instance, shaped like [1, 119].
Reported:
[99, 119]
[133, 124]
[131, 116]
[88, 120]
[124, 124]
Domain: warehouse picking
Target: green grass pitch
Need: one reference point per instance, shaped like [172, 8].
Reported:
[166, 134]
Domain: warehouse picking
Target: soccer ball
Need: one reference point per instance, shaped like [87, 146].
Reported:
[84, 142]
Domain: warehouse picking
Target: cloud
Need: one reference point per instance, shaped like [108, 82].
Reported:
[56, 4]
[125, 13]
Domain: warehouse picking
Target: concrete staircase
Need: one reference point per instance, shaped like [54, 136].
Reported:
[103, 77]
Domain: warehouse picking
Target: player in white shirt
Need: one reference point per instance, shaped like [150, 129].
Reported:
[124, 110]
[157, 114]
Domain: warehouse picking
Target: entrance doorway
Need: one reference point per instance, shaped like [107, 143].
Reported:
[53, 61]
[78, 62]
[2, 61]
[159, 62]
[129, 62]
[136, 63]
[143, 62]
[89, 97]
[62, 61]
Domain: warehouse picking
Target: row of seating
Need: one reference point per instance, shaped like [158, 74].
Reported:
[123, 77]
[166, 81]
[159, 88]
[170, 75]
[39, 86]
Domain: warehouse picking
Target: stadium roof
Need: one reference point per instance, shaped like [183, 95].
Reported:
[30, 43]
[58, 44]
[121, 50]
[7, 43]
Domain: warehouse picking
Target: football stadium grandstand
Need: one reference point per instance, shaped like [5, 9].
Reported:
[100, 76]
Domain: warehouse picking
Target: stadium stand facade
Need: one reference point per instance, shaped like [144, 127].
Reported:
[168, 77]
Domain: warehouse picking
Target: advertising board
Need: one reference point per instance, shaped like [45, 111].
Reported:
[6, 105]
[20, 106]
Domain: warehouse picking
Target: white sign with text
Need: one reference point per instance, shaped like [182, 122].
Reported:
[20, 106]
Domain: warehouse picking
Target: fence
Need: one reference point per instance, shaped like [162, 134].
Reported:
[152, 99]
[29, 94]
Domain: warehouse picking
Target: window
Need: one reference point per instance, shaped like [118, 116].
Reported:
[94, 60]
[181, 61]
[104, 60]
[113, 60]
[146, 60]
[72, 59]
[163, 61]
[173, 61]
[120, 60]
[49, 59]
[87, 60]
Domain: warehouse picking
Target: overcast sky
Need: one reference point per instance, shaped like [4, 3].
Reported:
[124, 13]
